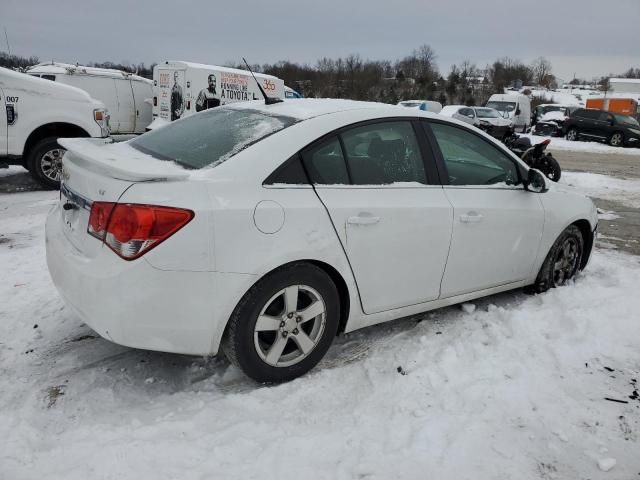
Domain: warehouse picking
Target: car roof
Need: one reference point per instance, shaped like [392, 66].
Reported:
[305, 108]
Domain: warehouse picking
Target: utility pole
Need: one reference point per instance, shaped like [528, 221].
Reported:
[6, 37]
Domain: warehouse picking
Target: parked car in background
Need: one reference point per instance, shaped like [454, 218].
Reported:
[34, 113]
[548, 119]
[125, 95]
[515, 107]
[181, 88]
[202, 238]
[487, 119]
[291, 93]
[591, 124]
[424, 105]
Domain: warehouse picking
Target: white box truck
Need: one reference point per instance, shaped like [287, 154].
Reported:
[184, 88]
[34, 113]
[515, 107]
[126, 96]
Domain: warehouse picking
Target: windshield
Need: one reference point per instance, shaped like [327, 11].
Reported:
[209, 138]
[632, 122]
[502, 106]
[552, 108]
[487, 113]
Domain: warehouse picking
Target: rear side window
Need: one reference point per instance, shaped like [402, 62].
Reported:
[210, 138]
[49, 77]
[383, 153]
[325, 163]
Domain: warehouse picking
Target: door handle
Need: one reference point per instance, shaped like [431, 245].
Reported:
[471, 218]
[363, 219]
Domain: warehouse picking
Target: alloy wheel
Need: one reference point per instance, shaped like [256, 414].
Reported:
[572, 135]
[616, 139]
[51, 164]
[290, 326]
[566, 262]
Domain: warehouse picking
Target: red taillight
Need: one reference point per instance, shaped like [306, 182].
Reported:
[131, 230]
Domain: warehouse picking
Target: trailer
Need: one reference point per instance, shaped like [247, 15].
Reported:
[182, 88]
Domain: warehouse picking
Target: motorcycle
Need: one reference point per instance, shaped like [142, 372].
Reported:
[534, 155]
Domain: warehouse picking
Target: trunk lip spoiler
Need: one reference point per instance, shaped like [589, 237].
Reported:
[99, 154]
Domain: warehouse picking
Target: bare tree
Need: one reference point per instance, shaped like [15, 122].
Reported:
[541, 68]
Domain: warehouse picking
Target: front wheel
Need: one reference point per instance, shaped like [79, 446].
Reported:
[616, 140]
[284, 324]
[572, 135]
[563, 260]
[44, 162]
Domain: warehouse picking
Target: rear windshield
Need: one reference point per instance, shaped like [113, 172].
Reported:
[209, 138]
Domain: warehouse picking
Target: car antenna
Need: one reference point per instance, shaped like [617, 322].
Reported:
[267, 100]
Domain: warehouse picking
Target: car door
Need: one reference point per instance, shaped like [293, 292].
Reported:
[497, 224]
[467, 115]
[126, 106]
[4, 114]
[393, 221]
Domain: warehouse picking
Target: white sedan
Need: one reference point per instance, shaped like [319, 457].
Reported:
[265, 230]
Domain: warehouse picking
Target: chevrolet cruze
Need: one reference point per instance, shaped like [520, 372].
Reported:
[263, 231]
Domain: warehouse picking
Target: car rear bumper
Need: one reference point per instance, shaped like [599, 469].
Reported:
[137, 305]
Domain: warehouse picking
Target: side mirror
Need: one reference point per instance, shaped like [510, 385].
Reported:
[611, 122]
[518, 111]
[536, 181]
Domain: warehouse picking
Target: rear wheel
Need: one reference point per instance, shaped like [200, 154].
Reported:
[572, 134]
[551, 168]
[563, 261]
[44, 162]
[616, 140]
[284, 325]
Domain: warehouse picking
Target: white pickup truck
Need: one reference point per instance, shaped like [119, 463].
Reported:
[34, 113]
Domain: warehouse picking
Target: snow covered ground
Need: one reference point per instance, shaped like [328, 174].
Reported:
[624, 191]
[512, 386]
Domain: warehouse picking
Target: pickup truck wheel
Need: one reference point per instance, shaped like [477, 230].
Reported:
[44, 162]
[572, 135]
[616, 140]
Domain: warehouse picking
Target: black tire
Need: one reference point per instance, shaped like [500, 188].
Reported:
[616, 139]
[573, 134]
[548, 277]
[551, 168]
[239, 340]
[45, 152]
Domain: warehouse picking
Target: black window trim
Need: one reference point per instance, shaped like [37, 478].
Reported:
[442, 166]
[427, 152]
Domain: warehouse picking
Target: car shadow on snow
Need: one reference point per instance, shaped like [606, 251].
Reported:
[84, 358]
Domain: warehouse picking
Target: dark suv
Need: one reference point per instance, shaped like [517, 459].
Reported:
[590, 124]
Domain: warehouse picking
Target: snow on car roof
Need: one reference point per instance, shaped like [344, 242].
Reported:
[305, 108]
[203, 66]
[67, 68]
[451, 109]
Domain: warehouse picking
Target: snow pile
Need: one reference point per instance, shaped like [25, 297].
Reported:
[626, 192]
[512, 386]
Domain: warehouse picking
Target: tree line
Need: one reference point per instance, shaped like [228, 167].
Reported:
[415, 76]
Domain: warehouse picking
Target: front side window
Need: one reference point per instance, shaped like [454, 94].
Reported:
[383, 153]
[471, 160]
[211, 137]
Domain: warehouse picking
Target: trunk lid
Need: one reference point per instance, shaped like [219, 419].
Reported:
[96, 170]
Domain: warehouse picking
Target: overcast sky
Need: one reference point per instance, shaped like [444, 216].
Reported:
[583, 37]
